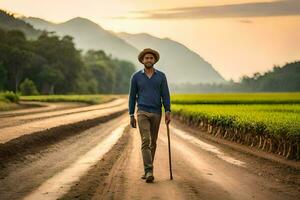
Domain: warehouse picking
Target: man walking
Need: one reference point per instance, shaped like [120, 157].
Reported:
[148, 87]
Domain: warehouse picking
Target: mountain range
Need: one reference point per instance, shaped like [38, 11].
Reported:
[180, 64]
[9, 22]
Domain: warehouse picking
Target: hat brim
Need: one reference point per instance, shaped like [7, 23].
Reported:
[145, 51]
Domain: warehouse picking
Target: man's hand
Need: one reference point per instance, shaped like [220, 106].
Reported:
[167, 117]
[132, 121]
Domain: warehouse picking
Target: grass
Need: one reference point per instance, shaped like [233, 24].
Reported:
[8, 101]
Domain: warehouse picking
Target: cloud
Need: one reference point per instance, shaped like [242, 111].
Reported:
[257, 9]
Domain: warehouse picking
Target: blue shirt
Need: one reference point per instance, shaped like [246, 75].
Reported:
[150, 93]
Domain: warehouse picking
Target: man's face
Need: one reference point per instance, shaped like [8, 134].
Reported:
[148, 60]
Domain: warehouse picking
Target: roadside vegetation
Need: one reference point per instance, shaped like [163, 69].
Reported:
[267, 121]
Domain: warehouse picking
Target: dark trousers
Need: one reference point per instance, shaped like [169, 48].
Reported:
[148, 124]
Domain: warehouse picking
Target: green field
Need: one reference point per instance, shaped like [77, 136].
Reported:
[237, 98]
[278, 120]
[270, 121]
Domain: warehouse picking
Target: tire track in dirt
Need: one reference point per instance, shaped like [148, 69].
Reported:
[19, 148]
[22, 177]
[201, 170]
[59, 111]
[33, 107]
[9, 133]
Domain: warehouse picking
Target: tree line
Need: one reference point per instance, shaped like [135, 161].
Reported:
[53, 65]
[284, 78]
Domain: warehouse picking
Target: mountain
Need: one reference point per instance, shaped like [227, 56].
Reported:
[9, 22]
[89, 35]
[180, 63]
[279, 79]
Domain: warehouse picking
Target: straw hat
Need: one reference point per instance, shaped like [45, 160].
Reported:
[148, 50]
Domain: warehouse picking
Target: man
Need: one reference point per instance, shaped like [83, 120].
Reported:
[148, 87]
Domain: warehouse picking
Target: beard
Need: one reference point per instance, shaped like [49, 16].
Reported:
[148, 65]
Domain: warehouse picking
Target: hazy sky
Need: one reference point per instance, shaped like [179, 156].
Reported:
[236, 36]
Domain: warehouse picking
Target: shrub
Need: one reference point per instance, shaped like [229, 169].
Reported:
[10, 96]
[28, 87]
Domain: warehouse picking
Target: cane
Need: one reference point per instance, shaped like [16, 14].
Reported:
[169, 146]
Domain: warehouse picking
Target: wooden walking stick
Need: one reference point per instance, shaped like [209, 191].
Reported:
[169, 147]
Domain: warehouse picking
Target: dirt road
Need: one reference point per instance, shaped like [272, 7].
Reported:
[16, 126]
[59, 164]
[104, 162]
[201, 170]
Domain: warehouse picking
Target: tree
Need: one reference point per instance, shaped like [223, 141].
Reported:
[103, 70]
[63, 58]
[124, 69]
[27, 87]
[15, 56]
[3, 76]
[51, 76]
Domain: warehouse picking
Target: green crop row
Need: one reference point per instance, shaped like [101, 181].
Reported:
[278, 120]
[237, 98]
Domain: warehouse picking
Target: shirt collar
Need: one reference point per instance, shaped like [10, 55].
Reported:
[143, 70]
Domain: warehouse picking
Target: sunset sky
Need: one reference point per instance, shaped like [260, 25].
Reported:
[238, 37]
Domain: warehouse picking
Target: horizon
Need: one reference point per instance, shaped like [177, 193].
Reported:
[248, 43]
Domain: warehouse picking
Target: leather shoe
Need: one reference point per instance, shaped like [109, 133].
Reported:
[149, 177]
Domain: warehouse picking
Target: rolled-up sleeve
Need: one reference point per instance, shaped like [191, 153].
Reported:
[132, 95]
[166, 94]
